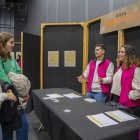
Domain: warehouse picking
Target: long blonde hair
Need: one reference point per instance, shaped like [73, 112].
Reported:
[130, 59]
[5, 36]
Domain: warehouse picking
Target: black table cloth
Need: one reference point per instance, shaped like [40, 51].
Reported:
[75, 125]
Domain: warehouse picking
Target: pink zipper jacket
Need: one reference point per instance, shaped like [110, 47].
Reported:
[102, 68]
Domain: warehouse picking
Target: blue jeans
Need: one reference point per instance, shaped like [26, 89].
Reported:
[98, 96]
[22, 133]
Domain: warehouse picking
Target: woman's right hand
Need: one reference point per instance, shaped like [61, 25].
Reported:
[11, 96]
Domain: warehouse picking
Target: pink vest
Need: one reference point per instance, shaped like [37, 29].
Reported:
[126, 87]
[102, 68]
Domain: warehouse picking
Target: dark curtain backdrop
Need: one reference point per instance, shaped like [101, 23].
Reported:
[110, 40]
[132, 37]
[63, 38]
[31, 58]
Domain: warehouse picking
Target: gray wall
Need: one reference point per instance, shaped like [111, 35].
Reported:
[44, 11]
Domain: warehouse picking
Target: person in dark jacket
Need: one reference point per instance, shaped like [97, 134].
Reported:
[3, 97]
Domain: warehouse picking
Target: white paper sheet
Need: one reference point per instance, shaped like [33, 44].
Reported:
[67, 110]
[54, 95]
[120, 116]
[72, 95]
[101, 120]
[90, 100]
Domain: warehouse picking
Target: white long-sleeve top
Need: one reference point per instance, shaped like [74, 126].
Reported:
[3, 97]
[95, 87]
[134, 94]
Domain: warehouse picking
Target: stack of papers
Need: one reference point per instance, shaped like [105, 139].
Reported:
[120, 116]
[101, 120]
[72, 95]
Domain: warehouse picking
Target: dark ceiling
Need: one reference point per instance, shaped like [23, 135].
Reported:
[19, 6]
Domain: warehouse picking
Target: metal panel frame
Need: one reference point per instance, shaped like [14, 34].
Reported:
[43, 26]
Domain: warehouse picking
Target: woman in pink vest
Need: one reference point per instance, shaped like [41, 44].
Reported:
[99, 74]
[126, 80]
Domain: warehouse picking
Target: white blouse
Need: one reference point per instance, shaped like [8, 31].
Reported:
[3, 97]
[134, 94]
[95, 87]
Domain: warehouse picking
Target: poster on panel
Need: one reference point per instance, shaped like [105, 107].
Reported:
[69, 58]
[53, 58]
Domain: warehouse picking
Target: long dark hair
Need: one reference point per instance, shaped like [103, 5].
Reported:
[5, 36]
